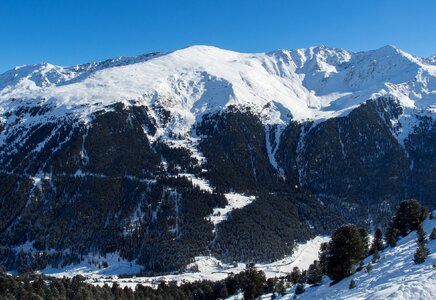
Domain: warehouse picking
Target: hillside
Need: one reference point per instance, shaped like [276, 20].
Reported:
[165, 157]
[394, 276]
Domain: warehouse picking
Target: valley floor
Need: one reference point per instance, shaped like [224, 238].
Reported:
[209, 268]
[394, 276]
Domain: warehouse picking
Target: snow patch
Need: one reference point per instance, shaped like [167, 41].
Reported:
[235, 201]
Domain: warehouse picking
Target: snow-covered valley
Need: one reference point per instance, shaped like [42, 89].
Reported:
[206, 268]
[394, 276]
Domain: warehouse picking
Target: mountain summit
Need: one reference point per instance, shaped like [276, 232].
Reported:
[310, 83]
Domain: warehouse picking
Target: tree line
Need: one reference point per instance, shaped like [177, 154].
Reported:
[342, 256]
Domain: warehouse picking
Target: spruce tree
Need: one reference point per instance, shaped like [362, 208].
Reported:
[323, 256]
[391, 235]
[314, 274]
[295, 275]
[377, 242]
[422, 251]
[345, 249]
[407, 217]
[352, 284]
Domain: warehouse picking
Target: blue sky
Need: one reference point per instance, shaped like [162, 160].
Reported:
[68, 32]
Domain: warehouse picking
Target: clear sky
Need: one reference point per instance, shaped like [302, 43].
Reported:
[67, 32]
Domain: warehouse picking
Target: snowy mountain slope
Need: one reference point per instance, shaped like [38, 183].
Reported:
[394, 276]
[43, 75]
[158, 143]
[311, 83]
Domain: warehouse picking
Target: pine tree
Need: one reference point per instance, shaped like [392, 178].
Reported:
[421, 238]
[360, 267]
[422, 251]
[255, 282]
[224, 293]
[391, 235]
[433, 234]
[303, 278]
[280, 288]
[377, 242]
[314, 274]
[407, 217]
[352, 284]
[345, 249]
[423, 215]
[420, 254]
[323, 256]
[365, 240]
[295, 275]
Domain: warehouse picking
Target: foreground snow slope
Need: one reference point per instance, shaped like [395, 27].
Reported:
[394, 276]
[311, 83]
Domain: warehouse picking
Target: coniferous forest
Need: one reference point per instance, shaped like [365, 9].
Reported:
[341, 257]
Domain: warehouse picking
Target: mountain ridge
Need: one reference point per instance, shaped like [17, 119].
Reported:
[308, 83]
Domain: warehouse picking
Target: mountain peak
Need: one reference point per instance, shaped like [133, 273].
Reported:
[308, 83]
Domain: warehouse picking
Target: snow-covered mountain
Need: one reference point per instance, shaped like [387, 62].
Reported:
[164, 157]
[311, 83]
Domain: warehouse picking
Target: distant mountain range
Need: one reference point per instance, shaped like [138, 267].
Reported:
[165, 156]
